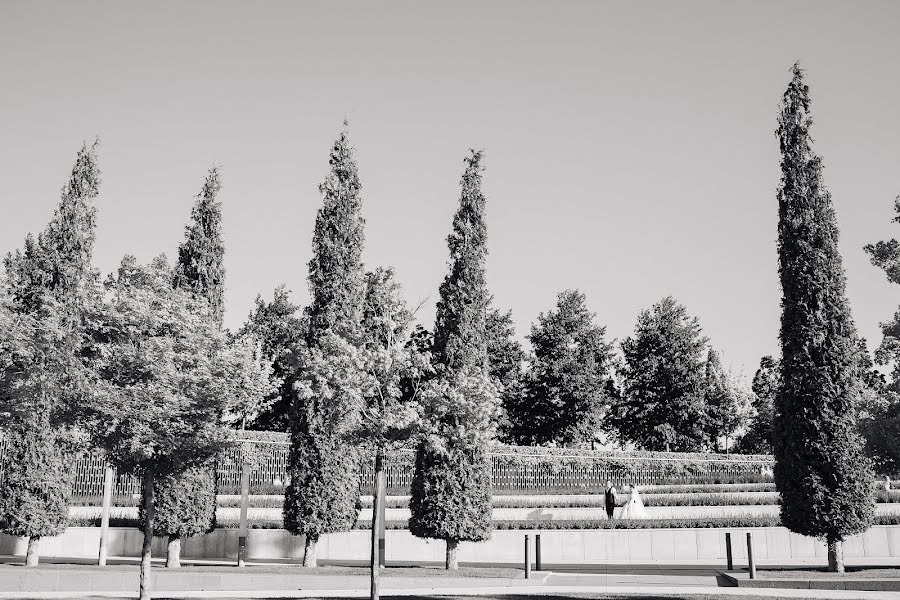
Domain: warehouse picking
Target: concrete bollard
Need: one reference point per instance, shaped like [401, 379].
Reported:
[537, 552]
[751, 565]
[728, 554]
[527, 556]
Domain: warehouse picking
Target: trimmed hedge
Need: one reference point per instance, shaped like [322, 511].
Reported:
[697, 523]
[751, 498]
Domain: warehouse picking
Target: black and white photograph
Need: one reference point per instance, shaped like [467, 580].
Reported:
[575, 300]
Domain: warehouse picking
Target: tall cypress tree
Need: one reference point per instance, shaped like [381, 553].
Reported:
[186, 502]
[336, 271]
[48, 283]
[201, 257]
[451, 485]
[323, 493]
[824, 479]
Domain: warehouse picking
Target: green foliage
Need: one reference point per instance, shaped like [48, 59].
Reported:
[506, 361]
[727, 402]
[201, 267]
[566, 387]
[451, 483]
[36, 482]
[881, 431]
[332, 382]
[185, 503]
[43, 291]
[336, 272]
[323, 469]
[396, 367]
[280, 327]
[699, 523]
[451, 488]
[253, 381]
[824, 479]
[158, 366]
[758, 437]
[460, 323]
[58, 264]
[662, 407]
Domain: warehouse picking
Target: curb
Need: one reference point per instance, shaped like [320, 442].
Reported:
[863, 585]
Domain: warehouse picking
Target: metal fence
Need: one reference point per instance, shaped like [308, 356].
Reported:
[545, 474]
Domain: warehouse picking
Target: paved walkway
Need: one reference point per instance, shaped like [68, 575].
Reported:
[56, 582]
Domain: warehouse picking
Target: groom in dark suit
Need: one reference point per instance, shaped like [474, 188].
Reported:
[610, 499]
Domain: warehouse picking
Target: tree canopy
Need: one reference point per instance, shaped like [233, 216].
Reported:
[662, 405]
[566, 389]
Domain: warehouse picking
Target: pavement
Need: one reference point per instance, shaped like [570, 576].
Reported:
[66, 581]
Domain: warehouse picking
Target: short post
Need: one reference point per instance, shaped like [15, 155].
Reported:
[527, 556]
[382, 551]
[728, 554]
[245, 501]
[104, 517]
[751, 564]
[537, 552]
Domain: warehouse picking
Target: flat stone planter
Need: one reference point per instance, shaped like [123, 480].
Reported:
[772, 545]
[847, 582]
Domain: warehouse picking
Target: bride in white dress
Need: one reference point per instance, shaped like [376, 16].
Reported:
[634, 507]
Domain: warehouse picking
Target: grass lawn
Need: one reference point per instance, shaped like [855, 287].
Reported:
[822, 573]
[533, 597]
[584, 597]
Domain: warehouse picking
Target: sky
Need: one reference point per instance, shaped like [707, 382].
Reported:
[629, 146]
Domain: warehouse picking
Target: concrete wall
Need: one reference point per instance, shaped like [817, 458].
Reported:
[595, 546]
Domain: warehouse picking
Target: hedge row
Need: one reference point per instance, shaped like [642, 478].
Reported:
[586, 501]
[696, 523]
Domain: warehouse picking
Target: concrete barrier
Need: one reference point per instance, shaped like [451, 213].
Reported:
[772, 545]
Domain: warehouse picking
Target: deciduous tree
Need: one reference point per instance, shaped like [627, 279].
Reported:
[159, 386]
[662, 405]
[390, 412]
[567, 384]
[281, 328]
[507, 360]
[727, 402]
[758, 437]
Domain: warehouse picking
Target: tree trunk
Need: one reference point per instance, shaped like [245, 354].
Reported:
[378, 498]
[309, 554]
[173, 552]
[104, 516]
[148, 535]
[33, 555]
[452, 560]
[836, 556]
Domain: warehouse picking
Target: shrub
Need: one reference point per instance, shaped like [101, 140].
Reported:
[185, 504]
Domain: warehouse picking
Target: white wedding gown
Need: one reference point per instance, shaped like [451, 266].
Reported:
[634, 508]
